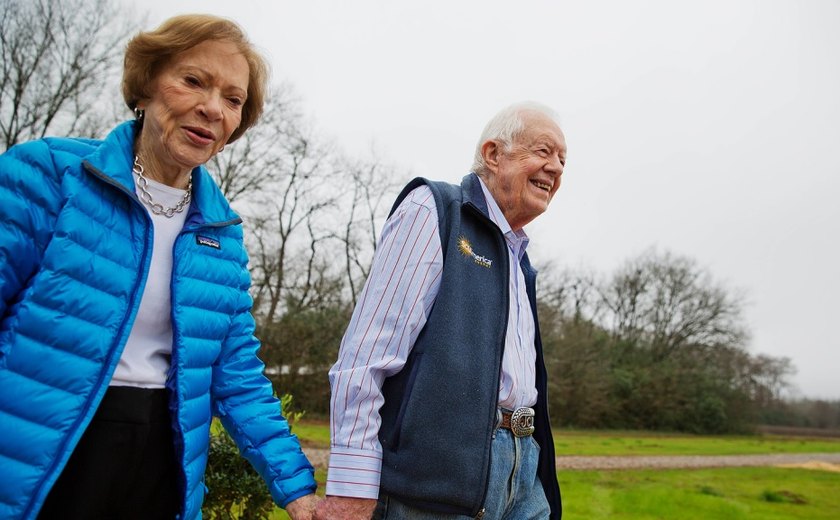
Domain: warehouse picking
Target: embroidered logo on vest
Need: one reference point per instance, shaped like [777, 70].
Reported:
[466, 249]
[207, 241]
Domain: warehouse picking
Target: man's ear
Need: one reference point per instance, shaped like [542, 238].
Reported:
[490, 151]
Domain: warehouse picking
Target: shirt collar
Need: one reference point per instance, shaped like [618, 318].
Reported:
[517, 240]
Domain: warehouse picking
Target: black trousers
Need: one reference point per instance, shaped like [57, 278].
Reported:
[124, 465]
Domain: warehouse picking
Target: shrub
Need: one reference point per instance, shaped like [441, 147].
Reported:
[236, 491]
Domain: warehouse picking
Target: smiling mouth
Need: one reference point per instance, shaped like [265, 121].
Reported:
[541, 185]
[202, 133]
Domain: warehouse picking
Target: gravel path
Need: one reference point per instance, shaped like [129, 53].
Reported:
[320, 458]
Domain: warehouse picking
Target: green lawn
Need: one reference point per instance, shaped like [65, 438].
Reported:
[605, 442]
[701, 494]
[313, 433]
[729, 493]
[685, 494]
[581, 442]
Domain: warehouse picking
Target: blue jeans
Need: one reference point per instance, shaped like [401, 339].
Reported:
[515, 491]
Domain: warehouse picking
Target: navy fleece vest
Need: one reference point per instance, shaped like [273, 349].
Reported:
[440, 410]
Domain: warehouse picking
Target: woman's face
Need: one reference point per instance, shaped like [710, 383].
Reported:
[196, 105]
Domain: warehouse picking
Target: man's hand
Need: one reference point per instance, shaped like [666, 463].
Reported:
[303, 508]
[345, 508]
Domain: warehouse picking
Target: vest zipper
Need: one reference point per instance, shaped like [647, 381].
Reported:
[505, 261]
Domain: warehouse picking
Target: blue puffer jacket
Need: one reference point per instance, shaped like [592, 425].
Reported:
[75, 247]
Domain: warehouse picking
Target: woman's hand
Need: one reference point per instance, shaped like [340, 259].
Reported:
[303, 508]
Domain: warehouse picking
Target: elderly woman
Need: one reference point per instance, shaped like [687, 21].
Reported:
[125, 312]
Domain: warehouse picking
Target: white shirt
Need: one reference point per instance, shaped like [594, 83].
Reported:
[392, 310]
[145, 360]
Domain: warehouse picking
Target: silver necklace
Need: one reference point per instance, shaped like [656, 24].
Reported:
[146, 197]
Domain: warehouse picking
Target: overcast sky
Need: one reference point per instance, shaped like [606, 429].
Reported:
[709, 129]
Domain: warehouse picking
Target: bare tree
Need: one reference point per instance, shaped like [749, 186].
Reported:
[667, 302]
[371, 186]
[302, 192]
[623, 297]
[58, 61]
[280, 177]
[283, 179]
[572, 293]
[766, 378]
[312, 215]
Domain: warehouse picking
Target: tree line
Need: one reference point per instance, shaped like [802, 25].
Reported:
[656, 344]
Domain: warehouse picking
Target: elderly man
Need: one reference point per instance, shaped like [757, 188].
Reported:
[439, 391]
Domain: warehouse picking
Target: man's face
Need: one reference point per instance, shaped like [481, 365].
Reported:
[524, 179]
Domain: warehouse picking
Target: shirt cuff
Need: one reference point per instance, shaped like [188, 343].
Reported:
[354, 472]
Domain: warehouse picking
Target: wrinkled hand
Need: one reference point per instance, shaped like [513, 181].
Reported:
[303, 508]
[345, 508]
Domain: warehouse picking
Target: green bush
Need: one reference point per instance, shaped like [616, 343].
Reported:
[236, 491]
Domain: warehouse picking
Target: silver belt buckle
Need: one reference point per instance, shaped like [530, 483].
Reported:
[522, 422]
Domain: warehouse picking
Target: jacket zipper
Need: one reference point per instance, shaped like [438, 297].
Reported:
[175, 359]
[141, 282]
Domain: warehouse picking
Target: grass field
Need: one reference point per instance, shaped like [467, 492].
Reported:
[685, 494]
[579, 442]
[313, 433]
[601, 442]
[703, 494]
[726, 494]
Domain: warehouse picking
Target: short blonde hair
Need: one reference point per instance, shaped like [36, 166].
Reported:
[149, 51]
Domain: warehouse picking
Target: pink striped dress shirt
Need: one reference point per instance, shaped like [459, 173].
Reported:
[391, 311]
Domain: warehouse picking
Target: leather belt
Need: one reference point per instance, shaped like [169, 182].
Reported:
[520, 421]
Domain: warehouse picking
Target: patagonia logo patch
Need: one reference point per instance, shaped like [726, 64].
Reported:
[466, 249]
[207, 241]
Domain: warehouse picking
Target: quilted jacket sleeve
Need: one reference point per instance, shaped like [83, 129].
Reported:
[30, 194]
[244, 400]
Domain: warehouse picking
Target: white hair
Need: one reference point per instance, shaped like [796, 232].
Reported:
[506, 126]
